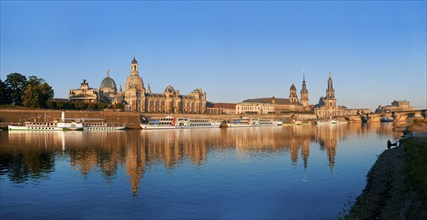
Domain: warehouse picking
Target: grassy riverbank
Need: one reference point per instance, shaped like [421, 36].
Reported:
[415, 166]
[397, 183]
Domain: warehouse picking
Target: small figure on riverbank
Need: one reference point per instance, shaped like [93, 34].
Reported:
[389, 144]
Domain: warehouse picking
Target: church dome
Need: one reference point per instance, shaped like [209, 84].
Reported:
[108, 83]
[134, 81]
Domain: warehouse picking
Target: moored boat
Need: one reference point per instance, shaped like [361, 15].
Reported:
[202, 123]
[242, 122]
[100, 124]
[268, 122]
[170, 122]
[63, 125]
[298, 122]
[386, 119]
[167, 122]
[36, 126]
[71, 124]
[330, 122]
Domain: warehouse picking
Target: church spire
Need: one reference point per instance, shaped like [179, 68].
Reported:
[330, 82]
[304, 92]
[148, 88]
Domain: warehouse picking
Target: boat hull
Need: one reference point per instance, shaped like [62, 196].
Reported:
[154, 127]
[26, 128]
[230, 125]
[151, 127]
[104, 128]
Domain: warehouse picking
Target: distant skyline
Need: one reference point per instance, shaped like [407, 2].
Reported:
[376, 51]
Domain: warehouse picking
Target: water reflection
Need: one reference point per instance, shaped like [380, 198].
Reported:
[32, 155]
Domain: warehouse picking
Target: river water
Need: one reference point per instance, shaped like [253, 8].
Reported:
[289, 172]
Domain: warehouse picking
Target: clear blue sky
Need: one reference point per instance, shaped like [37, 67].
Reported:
[236, 50]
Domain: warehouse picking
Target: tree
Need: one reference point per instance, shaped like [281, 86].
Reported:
[37, 93]
[80, 105]
[15, 86]
[50, 104]
[118, 106]
[3, 97]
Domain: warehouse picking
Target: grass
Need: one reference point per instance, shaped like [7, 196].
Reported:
[415, 166]
[414, 174]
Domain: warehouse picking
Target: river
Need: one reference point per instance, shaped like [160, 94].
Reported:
[289, 172]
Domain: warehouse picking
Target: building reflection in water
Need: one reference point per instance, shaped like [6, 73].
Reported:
[25, 155]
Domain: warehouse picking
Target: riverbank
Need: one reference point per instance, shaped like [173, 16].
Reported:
[14, 116]
[397, 183]
[130, 119]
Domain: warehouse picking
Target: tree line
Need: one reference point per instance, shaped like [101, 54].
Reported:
[34, 92]
[30, 92]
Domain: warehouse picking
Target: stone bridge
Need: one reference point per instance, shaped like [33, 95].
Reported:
[409, 115]
[399, 116]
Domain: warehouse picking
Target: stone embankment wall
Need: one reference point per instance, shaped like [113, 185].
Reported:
[130, 119]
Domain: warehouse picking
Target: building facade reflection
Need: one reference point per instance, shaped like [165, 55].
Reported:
[27, 155]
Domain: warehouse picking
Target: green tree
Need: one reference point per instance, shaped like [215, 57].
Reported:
[102, 105]
[50, 104]
[80, 105]
[3, 97]
[92, 106]
[118, 106]
[37, 93]
[60, 105]
[15, 86]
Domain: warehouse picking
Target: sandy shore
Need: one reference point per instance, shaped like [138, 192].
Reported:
[385, 195]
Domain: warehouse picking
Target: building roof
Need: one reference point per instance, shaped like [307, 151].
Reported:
[108, 82]
[224, 105]
[293, 87]
[169, 89]
[134, 61]
[269, 100]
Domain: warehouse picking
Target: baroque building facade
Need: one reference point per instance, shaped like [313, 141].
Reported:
[84, 93]
[254, 108]
[106, 93]
[283, 105]
[327, 106]
[396, 105]
[139, 99]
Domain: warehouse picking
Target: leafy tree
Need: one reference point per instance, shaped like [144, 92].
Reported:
[102, 105]
[92, 106]
[37, 93]
[15, 86]
[80, 105]
[118, 106]
[3, 98]
[50, 104]
[60, 105]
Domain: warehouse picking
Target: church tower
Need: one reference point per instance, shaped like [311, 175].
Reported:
[293, 98]
[330, 100]
[134, 67]
[134, 90]
[304, 93]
